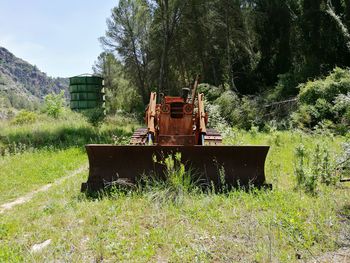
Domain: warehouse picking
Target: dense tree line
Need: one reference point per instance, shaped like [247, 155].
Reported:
[251, 46]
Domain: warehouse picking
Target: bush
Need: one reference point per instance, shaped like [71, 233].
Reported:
[211, 92]
[94, 116]
[314, 167]
[325, 99]
[178, 181]
[228, 101]
[54, 104]
[24, 117]
[286, 87]
[343, 161]
[226, 108]
[247, 114]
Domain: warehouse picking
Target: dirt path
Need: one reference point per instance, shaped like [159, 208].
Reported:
[342, 255]
[30, 195]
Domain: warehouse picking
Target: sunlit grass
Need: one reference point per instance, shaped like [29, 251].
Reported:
[28, 171]
[240, 226]
[279, 225]
[69, 130]
[279, 168]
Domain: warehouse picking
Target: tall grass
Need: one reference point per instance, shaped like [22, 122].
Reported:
[71, 129]
[176, 182]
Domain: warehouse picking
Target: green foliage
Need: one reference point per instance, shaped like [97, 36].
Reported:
[18, 100]
[341, 109]
[71, 129]
[178, 181]
[211, 92]
[10, 253]
[337, 82]
[314, 166]
[286, 86]
[343, 161]
[215, 120]
[128, 33]
[94, 116]
[247, 114]
[325, 100]
[4, 102]
[228, 102]
[249, 46]
[226, 108]
[24, 117]
[54, 104]
[121, 93]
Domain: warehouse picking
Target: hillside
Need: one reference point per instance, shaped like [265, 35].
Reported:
[23, 85]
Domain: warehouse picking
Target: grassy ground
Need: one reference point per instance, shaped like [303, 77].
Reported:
[70, 130]
[28, 171]
[277, 225]
[281, 225]
[281, 157]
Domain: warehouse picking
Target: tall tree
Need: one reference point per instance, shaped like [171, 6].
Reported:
[312, 35]
[246, 45]
[120, 93]
[128, 34]
[273, 25]
[167, 14]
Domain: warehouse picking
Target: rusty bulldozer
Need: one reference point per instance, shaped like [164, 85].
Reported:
[176, 125]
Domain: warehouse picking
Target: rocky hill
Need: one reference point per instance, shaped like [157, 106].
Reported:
[23, 85]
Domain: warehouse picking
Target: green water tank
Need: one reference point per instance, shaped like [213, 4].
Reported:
[86, 92]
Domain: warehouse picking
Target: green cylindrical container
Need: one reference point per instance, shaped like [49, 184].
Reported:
[86, 92]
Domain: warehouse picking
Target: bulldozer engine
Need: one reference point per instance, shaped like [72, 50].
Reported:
[174, 122]
[176, 125]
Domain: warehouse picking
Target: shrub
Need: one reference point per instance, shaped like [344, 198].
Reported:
[211, 92]
[248, 113]
[94, 116]
[178, 181]
[226, 108]
[227, 102]
[313, 167]
[215, 119]
[286, 86]
[343, 161]
[24, 117]
[54, 104]
[325, 99]
[342, 109]
[338, 82]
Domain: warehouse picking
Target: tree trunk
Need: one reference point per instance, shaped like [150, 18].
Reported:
[284, 52]
[347, 13]
[228, 49]
[312, 35]
[164, 5]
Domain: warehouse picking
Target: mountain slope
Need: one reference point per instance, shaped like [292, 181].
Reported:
[23, 85]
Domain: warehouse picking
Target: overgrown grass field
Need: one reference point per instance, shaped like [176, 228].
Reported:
[285, 224]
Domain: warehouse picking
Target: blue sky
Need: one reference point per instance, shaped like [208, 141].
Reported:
[60, 37]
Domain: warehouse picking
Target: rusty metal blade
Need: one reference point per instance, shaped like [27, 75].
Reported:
[243, 165]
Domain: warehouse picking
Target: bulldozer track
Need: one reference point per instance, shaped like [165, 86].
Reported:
[212, 137]
[139, 137]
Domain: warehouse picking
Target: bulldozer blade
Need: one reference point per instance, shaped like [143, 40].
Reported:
[240, 165]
